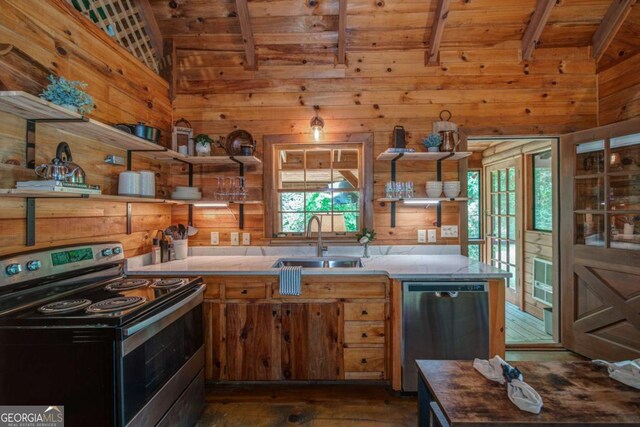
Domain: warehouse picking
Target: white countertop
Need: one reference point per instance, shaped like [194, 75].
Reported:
[425, 267]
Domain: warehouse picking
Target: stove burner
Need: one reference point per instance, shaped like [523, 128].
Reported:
[64, 306]
[115, 304]
[126, 284]
[168, 283]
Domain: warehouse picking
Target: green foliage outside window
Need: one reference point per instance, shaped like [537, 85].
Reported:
[542, 192]
[474, 204]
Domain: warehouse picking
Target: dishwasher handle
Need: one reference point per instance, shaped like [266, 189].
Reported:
[440, 294]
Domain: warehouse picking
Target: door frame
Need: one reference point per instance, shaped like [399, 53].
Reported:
[515, 297]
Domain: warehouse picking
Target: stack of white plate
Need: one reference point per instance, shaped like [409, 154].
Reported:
[186, 193]
[434, 189]
[451, 189]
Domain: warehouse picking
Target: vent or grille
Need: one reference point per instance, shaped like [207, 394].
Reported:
[122, 20]
[543, 281]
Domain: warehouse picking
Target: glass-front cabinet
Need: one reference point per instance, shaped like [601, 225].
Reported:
[607, 193]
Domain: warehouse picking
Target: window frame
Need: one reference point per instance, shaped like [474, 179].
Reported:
[480, 240]
[364, 142]
[530, 196]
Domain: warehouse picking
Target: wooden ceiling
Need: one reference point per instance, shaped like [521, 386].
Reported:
[294, 32]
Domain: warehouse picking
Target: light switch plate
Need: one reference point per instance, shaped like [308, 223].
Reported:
[235, 238]
[449, 231]
[422, 236]
[215, 238]
[246, 239]
[431, 236]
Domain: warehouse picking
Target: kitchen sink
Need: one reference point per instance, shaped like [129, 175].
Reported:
[322, 262]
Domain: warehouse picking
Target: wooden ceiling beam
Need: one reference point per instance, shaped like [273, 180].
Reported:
[537, 23]
[342, 32]
[151, 27]
[247, 34]
[437, 29]
[609, 26]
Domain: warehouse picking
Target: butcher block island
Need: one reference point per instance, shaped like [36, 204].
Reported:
[346, 324]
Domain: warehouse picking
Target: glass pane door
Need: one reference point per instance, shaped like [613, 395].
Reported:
[502, 249]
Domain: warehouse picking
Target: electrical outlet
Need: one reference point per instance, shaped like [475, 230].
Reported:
[422, 236]
[246, 239]
[449, 231]
[235, 238]
[431, 236]
[215, 238]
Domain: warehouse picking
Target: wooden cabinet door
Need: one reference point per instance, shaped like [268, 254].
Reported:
[213, 341]
[311, 344]
[600, 261]
[252, 342]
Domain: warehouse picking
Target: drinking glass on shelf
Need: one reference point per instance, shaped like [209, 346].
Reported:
[389, 189]
[231, 188]
[219, 187]
[408, 190]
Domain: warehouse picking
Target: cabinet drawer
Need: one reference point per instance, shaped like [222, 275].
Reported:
[364, 332]
[363, 360]
[212, 290]
[245, 290]
[364, 311]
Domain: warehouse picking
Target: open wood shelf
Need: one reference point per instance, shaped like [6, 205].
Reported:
[226, 202]
[423, 156]
[223, 160]
[42, 194]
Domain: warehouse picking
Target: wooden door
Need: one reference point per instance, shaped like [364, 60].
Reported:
[503, 200]
[600, 253]
[252, 342]
[311, 345]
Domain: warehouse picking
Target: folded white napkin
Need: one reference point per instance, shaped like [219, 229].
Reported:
[627, 371]
[520, 393]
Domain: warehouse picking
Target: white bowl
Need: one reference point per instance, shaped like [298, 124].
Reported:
[190, 196]
[451, 194]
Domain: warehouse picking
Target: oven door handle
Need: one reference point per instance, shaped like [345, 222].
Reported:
[140, 332]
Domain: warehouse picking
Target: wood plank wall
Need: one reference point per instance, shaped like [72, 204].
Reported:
[59, 38]
[488, 90]
[619, 91]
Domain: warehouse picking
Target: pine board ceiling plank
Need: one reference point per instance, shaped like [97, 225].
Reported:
[442, 12]
[536, 25]
[247, 34]
[342, 32]
[611, 23]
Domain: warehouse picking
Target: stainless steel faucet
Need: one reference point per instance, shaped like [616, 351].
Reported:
[318, 219]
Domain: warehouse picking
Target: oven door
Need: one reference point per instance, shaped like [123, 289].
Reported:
[160, 356]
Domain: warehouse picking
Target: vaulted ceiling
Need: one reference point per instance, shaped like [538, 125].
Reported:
[307, 31]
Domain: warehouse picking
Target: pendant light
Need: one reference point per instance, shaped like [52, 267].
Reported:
[317, 124]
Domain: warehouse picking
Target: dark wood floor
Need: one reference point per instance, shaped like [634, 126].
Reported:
[307, 405]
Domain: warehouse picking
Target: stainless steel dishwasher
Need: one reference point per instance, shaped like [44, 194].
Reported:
[443, 321]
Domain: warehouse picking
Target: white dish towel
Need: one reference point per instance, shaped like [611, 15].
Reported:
[290, 280]
[520, 393]
[627, 371]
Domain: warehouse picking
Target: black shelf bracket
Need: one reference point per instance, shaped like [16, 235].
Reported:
[30, 138]
[439, 178]
[190, 178]
[393, 178]
[240, 206]
[30, 213]
[130, 155]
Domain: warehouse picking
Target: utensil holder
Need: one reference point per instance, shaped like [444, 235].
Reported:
[181, 248]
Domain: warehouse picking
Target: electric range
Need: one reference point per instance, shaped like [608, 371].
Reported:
[113, 350]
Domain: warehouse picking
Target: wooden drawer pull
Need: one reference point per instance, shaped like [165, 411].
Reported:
[244, 292]
[363, 360]
[365, 312]
[364, 335]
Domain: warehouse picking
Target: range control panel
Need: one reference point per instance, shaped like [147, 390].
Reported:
[34, 265]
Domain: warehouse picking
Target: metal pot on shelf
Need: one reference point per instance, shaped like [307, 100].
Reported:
[55, 170]
[141, 131]
[238, 142]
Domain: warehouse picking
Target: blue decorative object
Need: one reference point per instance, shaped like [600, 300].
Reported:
[432, 141]
[69, 94]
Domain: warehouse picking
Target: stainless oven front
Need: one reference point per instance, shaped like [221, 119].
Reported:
[160, 356]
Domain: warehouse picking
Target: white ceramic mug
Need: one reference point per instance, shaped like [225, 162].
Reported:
[147, 184]
[129, 183]
[181, 248]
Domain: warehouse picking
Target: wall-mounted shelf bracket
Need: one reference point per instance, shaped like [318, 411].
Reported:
[241, 206]
[30, 138]
[393, 178]
[31, 218]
